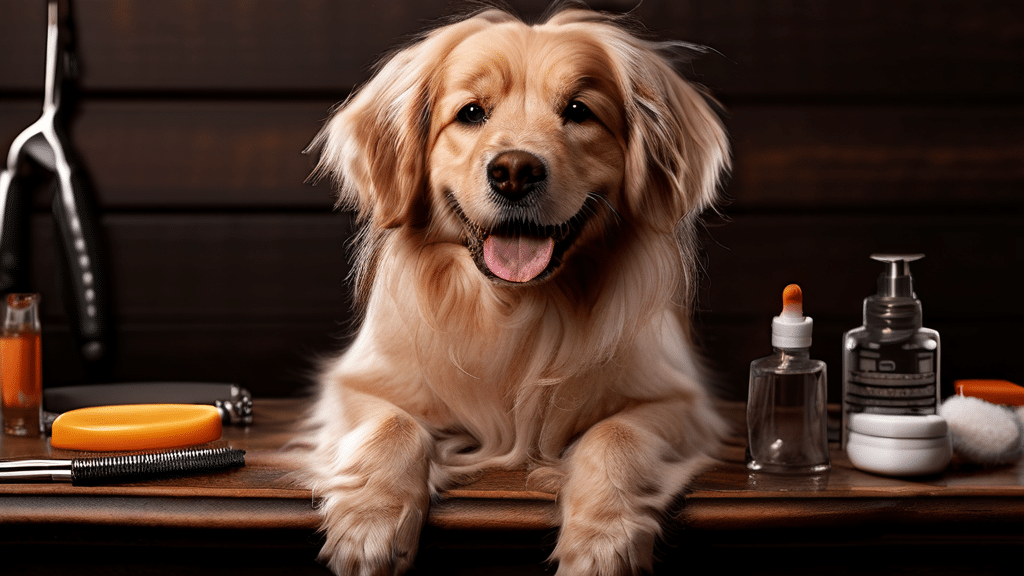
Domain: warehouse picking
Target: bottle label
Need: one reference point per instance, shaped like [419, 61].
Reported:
[896, 382]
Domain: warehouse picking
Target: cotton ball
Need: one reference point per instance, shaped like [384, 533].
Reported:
[982, 432]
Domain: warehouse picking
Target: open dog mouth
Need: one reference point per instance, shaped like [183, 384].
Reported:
[519, 252]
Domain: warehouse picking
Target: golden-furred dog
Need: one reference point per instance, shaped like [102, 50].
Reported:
[527, 198]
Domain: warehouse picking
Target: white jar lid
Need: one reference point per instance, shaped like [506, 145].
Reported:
[899, 425]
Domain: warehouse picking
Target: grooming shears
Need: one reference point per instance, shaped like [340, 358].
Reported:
[77, 242]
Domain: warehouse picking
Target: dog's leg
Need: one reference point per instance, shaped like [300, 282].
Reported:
[371, 475]
[621, 476]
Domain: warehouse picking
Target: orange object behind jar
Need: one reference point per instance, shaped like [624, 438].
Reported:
[994, 391]
[21, 365]
[21, 369]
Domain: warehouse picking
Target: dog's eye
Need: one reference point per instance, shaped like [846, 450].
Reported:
[471, 114]
[577, 112]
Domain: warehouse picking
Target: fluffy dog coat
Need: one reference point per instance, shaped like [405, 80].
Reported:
[527, 197]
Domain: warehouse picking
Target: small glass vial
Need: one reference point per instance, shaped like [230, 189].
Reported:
[787, 418]
[891, 363]
[21, 366]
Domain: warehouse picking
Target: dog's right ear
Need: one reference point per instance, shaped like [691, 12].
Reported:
[374, 144]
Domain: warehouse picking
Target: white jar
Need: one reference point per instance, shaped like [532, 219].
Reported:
[899, 445]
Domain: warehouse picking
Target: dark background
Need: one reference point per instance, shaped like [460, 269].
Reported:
[857, 127]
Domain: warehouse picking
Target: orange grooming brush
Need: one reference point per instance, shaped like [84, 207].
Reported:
[136, 427]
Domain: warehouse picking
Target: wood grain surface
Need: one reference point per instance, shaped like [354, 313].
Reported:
[724, 496]
[965, 521]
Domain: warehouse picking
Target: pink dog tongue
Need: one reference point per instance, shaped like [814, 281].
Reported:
[517, 258]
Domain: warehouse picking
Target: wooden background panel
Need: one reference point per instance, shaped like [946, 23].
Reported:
[800, 48]
[189, 268]
[184, 154]
[270, 359]
[969, 270]
[827, 158]
[213, 154]
[247, 154]
[253, 299]
[269, 45]
[807, 49]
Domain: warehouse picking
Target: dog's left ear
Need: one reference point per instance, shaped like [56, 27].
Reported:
[677, 149]
[374, 145]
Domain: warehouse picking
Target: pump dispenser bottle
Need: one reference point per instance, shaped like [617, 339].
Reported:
[891, 363]
[786, 405]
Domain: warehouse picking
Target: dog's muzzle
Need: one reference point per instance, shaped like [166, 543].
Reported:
[515, 256]
[521, 252]
[517, 250]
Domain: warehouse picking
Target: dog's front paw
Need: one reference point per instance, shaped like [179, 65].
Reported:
[612, 549]
[367, 539]
[620, 480]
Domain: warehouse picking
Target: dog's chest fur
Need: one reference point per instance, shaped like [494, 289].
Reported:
[526, 370]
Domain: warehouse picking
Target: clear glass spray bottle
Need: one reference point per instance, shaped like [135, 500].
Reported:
[786, 405]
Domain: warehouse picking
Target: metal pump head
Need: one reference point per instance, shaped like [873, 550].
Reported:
[895, 281]
[895, 309]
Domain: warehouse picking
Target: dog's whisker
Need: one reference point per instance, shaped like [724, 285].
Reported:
[602, 199]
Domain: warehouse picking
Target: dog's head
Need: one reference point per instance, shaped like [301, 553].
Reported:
[524, 143]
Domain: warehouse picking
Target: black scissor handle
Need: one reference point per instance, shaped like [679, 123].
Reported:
[82, 270]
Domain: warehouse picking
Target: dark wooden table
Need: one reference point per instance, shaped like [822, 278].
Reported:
[253, 520]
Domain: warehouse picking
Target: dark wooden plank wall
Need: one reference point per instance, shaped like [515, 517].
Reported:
[857, 127]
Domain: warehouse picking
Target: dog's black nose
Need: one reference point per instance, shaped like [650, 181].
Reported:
[515, 174]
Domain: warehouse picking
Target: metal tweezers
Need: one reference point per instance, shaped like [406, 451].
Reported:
[77, 242]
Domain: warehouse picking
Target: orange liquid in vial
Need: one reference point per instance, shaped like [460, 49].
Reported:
[21, 372]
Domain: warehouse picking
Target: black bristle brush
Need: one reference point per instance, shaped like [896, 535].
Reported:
[122, 468]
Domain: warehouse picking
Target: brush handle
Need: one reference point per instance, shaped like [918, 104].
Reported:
[122, 467]
[16, 471]
[126, 468]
